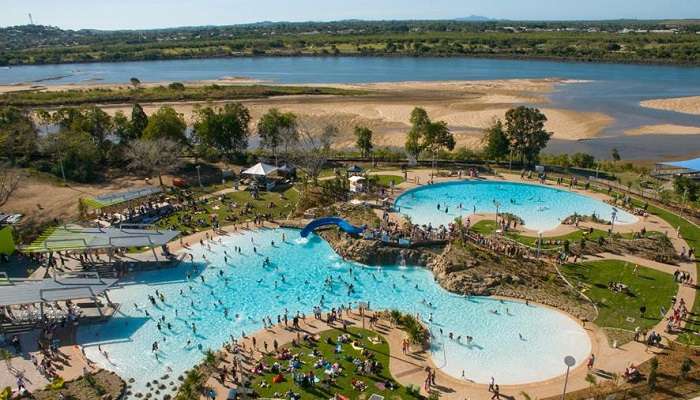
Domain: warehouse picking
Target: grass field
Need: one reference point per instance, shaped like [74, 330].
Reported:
[385, 180]
[488, 227]
[284, 203]
[648, 287]
[691, 234]
[327, 347]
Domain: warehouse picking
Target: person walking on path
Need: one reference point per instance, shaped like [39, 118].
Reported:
[496, 393]
[591, 361]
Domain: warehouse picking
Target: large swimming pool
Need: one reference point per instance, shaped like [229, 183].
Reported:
[251, 290]
[541, 207]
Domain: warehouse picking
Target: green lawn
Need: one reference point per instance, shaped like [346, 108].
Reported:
[385, 180]
[621, 310]
[284, 203]
[380, 352]
[488, 227]
[691, 234]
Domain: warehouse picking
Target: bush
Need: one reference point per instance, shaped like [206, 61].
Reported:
[57, 384]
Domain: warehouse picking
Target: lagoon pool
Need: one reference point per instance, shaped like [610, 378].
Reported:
[541, 207]
[249, 293]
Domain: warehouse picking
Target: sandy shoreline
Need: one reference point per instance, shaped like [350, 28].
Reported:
[664, 129]
[467, 106]
[687, 105]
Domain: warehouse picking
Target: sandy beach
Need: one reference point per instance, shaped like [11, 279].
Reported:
[467, 106]
[688, 105]
[664, 129]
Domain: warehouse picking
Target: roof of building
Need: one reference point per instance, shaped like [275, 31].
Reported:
[692, 165]
[260, 169]
[49, 290]
[112, 199]
[74, 237]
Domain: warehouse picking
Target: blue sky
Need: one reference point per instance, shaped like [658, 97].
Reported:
[126, 14]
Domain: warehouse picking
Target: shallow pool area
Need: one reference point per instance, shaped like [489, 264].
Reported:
[505, 345]
[541, 207]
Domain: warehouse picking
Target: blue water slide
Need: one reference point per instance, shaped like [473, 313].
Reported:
[344, 225]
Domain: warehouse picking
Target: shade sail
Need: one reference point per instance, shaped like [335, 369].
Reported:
[73, 237]
[692, 165]
[49, 290]
[260, 169]
[113, 199]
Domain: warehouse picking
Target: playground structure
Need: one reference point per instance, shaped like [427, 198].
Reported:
[344, 225]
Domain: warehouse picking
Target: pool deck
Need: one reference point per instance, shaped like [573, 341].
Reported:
[409, 369]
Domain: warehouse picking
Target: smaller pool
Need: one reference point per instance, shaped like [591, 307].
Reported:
[541, 207]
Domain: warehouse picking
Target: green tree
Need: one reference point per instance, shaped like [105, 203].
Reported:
[135, 82]
[436, 137]
[526, 133]
[276, 129]
[122, 127]
[364, 140]
[615, 154]
[686, 188]
[583, 160]
[419, 120]
[18, 135]
[76, 155]
[496, 142]
[427, 135]
[166, 123]
[224, 128]
[139, 121]
[89, 119]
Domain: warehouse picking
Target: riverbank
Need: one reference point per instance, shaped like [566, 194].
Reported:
[687, 105]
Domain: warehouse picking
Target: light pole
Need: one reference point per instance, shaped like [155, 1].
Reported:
[199, 176]
[612, 220]
[570, 362]
[497, 204]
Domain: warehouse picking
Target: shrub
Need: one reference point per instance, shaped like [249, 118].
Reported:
[686, 366]
[653, 373]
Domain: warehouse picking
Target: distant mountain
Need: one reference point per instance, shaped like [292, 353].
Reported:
[473, 18]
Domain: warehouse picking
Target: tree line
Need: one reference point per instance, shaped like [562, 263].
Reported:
[81, 143]
[586, 41]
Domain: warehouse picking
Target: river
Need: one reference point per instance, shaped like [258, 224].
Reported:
[614, 89]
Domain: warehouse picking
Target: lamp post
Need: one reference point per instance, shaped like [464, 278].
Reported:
[497, 204]
[612, 219]
[570, 362]
[199, 176]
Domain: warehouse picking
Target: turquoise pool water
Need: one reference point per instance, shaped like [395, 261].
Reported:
[248, 291]
[541, 207]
